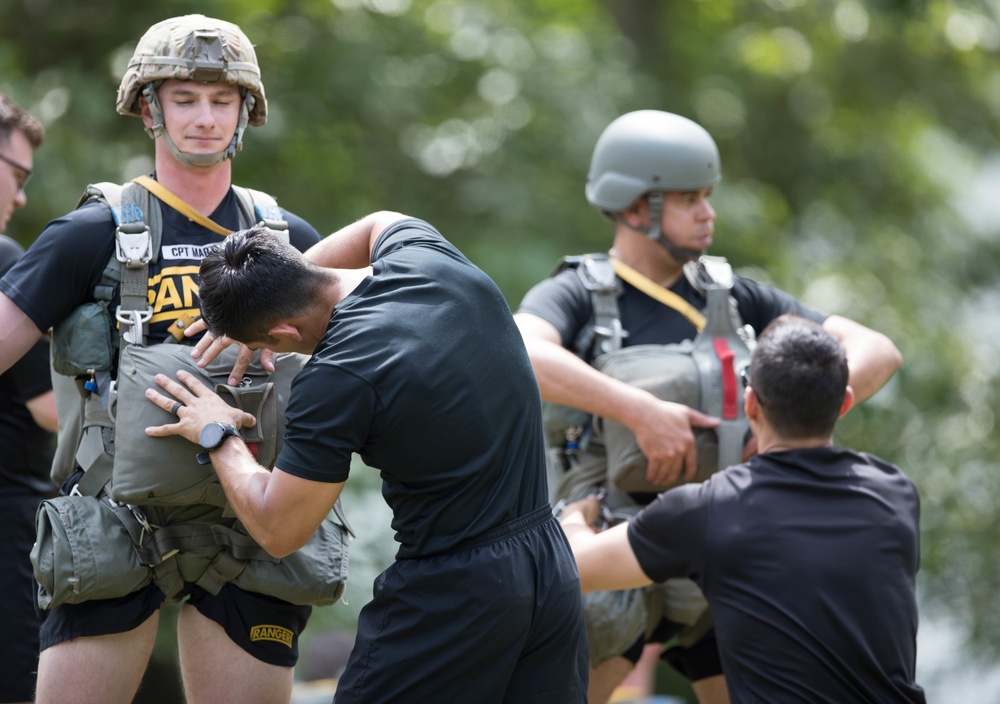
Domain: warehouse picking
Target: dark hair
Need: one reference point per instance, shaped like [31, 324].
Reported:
[251, 282]
[799, 373]
[14, 117]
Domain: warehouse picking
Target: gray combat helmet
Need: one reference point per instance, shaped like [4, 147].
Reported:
[194, 48]
[650, 152]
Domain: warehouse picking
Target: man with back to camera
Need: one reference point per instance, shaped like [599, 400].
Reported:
[652, 174]
[417, 366]
[807, 553]
[27, 420]
[195, 83]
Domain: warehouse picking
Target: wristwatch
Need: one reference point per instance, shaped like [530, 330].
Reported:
[212, 436]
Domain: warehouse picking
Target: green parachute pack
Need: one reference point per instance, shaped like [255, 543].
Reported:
[145, 510]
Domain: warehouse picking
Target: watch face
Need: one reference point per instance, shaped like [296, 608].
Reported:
[214, 433]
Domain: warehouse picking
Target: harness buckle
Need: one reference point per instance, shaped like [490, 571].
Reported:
[136, 321]
[133, 244]
[611, 336]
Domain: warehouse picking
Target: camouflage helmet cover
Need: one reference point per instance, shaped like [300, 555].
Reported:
[646, 151]
[193, 48]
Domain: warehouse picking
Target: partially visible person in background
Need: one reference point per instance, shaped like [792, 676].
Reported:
[27, 421]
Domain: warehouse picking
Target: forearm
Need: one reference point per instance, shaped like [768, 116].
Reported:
[245, 484]
[872, 358]
[604, 560]
[351, 246]
[566, 379]
[43, 411]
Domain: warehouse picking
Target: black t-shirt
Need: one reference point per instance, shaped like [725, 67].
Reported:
[563, 301]
[62, 267]
[808, 560]
[424, 374]
[25, 448]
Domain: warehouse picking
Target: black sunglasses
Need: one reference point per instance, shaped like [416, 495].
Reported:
[745, 378]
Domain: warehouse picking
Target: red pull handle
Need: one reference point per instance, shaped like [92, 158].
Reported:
[730, 409]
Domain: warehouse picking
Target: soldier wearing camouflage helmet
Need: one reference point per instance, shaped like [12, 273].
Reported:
[193, 48]
[651, 174]
[195, 83]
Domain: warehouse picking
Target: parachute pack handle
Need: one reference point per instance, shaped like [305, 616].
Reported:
[258, 401]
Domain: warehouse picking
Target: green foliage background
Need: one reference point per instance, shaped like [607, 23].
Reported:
[860, 154]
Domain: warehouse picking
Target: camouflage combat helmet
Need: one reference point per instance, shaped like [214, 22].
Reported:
[650, 152]
[194, 48]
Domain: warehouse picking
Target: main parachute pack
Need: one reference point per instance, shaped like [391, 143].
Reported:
[144, 509]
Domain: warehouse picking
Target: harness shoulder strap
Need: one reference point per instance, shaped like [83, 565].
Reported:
[259, 208]
[708, 271]
[138, 234]
[604, 333]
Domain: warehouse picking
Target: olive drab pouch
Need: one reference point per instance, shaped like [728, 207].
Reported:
[164, 470]
[82, 343]
[313, 575]
[703, 374]
[83, 552]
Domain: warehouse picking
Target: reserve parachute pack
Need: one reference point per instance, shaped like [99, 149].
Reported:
[703, 374]
[185, 530]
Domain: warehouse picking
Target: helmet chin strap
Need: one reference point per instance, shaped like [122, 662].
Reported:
[198, 161]
[681, 254]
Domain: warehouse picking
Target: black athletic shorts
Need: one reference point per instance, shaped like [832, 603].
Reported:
[263, 626]
[499, 620]
[696, 662]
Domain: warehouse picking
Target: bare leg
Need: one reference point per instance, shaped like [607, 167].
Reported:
[641, 681]
[217, 671]
[96, 669]
[605, 677]
[711, 690]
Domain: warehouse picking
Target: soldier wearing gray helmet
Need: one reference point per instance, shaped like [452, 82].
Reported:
[652, 175]
[195, 84]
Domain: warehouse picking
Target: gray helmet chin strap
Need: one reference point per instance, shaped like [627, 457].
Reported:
[681, 254]
[654, 233]
[198, 161]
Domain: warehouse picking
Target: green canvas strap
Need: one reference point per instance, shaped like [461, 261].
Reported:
[137, 243]
[169, 540]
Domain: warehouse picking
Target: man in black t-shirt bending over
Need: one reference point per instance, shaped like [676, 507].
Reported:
[807, 553]
[418, 367]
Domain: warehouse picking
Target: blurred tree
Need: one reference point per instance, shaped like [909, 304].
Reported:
[860, 155]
